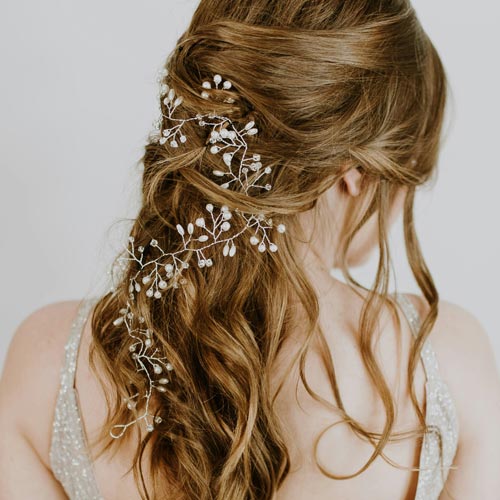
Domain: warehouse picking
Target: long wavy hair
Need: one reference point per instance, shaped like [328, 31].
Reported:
[328, 83]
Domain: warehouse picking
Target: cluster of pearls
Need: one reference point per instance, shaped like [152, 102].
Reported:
[147, 360]
[156, 275]
[225, 136]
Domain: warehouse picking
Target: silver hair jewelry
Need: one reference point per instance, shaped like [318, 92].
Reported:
[156, 275]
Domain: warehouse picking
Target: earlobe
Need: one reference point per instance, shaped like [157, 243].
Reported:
[352, 179]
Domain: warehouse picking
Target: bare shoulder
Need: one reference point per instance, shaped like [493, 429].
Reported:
[31, 373]
[467, 363]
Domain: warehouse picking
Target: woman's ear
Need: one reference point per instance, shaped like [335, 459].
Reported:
[352, 179]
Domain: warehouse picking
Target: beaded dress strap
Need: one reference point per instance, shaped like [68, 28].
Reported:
[69, 454]
[73, 342]
[428, 355]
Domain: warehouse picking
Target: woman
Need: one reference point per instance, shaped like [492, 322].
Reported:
[226, 362]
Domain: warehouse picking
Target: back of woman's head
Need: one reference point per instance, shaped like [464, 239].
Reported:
[328, 84]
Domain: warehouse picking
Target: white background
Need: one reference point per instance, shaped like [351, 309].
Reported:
[78, 95]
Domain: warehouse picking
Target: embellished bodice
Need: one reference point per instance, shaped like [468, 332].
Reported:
[70, 457]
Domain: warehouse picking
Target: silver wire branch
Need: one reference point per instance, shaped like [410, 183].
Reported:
[156, 275]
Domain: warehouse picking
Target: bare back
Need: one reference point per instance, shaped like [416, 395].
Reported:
[340, 451]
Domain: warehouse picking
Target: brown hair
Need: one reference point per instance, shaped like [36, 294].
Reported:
[328, 83]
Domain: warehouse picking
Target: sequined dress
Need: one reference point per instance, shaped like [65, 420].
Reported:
[70, 458]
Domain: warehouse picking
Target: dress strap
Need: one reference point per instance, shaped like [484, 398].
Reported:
[70, 459]
[427, 354]
[73, 342]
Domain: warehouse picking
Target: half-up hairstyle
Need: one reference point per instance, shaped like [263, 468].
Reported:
[328, 83]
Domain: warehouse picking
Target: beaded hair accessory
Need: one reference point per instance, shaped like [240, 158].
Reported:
[212, 229]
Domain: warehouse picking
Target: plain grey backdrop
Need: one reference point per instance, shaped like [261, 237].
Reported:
[78, 95]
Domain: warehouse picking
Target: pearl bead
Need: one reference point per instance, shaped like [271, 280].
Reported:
[254, 240]
[281, 228]
[227, 157]
[157, 369]
[169, 367]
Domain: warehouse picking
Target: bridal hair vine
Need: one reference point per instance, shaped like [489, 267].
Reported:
[214, 228]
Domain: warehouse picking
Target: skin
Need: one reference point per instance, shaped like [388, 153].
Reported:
[30, 380]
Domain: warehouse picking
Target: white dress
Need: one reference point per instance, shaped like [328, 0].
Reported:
[69, 455]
